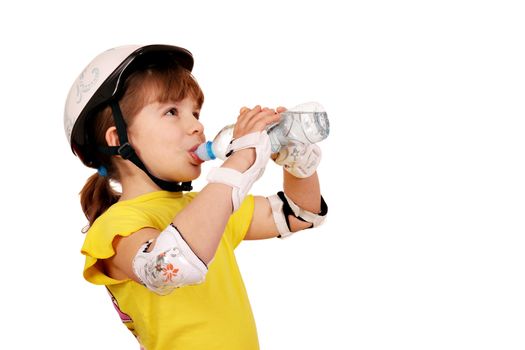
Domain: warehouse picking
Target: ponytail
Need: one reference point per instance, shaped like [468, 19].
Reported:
[97, 196]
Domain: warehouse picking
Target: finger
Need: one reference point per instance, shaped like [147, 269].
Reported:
[281, 109]
[244, 120]
[263, 119]
[240, 118]
[247, 114]
[268, 109]
[276, 117]
[253, 111]
[263, 114]
[243, 111]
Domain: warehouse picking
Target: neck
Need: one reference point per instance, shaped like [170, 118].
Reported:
[135, 182]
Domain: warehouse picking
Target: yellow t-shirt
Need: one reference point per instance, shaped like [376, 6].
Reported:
[213, 315]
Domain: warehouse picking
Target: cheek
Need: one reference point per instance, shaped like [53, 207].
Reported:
[137, 134]
[144, 143]
[138, 141]
[165, 146]
[162, 142]
[171, 139]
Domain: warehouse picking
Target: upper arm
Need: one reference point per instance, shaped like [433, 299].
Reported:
[263, 225]
[120, 265]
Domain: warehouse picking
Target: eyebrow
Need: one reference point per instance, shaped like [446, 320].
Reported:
[162, 105]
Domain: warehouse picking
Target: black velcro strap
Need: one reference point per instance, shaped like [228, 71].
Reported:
[287, 210]
[126, 151]
[230, 151]
[324, 207]
[120, 124]
[109, 150]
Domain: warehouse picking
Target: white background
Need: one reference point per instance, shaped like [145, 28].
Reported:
[423, 170]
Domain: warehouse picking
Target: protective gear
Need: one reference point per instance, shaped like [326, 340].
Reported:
[298, 159]
[242, 182]
[170, 264]
[101, 84]
[282, 206]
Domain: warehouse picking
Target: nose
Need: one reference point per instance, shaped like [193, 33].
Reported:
[196, 127]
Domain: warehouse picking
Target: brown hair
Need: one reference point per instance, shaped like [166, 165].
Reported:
[154, 84]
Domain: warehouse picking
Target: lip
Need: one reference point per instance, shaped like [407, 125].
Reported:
[191, 152]
[194, 148]
[196, 160]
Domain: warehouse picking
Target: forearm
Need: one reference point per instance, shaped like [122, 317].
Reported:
[306, 193]
[202, 222]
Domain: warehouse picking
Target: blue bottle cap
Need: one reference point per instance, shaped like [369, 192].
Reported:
[209, 150]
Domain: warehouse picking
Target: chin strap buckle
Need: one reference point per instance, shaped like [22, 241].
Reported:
[126, 151]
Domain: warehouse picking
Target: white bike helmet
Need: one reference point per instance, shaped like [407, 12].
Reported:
[101, 84]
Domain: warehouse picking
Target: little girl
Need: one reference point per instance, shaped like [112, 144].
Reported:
[166, 254]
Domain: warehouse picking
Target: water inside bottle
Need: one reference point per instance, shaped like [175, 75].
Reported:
[316, 126]
[222, 141]
[305, 127]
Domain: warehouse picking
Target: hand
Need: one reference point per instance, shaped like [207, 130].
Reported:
[299, 159]
[250, 121]
[253, 120]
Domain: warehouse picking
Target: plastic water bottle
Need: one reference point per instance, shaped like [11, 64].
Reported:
[306, 123]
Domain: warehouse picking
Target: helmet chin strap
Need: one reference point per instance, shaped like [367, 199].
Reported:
[126, 151]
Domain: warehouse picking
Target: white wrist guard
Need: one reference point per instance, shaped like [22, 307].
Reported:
[298, 159]
[242, 182]
[170, 264]
[282, 206]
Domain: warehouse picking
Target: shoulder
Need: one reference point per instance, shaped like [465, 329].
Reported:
[118, 220]
[123, 218]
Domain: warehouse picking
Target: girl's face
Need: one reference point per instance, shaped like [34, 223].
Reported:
[164, 135]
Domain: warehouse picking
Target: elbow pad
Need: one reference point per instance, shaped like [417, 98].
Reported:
[282, 206]
[170, 264]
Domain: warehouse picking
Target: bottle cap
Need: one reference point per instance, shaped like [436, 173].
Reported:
[205, 151]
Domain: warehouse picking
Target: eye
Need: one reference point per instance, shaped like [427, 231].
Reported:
[196, 115]
[172, 112]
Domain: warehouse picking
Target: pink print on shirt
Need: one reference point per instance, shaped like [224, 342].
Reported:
[123, 316]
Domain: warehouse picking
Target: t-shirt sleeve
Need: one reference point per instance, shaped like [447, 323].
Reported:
[98, 243]
[240, 221]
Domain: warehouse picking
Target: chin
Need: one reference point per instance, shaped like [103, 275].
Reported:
[190, 175]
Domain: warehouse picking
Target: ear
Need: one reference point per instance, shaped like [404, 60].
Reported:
[112, 136]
